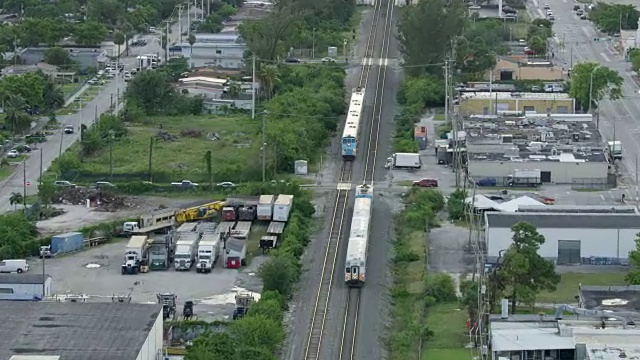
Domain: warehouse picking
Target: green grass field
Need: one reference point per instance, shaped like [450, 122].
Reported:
[258, 230]
[448, 354]
[6, 171]
[450, 334]
[569, 282]
[69, 90]
[185, 156]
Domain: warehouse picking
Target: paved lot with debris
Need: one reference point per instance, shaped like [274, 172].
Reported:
[96, 273]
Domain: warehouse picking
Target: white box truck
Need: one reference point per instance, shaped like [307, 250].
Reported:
[208, 252]
[614, 149]
[404, 161]
[186, 251]
[525, 177]
[135, 254]
[282, 207]
[265, 207]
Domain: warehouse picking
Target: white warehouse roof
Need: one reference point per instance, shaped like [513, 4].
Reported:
[564, 221]
[515, 336]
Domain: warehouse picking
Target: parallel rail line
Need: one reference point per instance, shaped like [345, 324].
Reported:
[321, 305]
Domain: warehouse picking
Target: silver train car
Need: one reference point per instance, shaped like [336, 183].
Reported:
[356, 261]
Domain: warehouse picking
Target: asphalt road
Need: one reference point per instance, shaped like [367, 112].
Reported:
[51, 149]
[617, 118]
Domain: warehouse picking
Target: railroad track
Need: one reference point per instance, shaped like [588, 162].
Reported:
[383, 9]
[321, 306]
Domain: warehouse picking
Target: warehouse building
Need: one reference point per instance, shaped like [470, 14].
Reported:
[565, 150]
[81, 331]
[570, 238]
[494, 103]
[24, 286]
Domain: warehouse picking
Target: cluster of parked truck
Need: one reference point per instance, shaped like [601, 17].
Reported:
[200, 244]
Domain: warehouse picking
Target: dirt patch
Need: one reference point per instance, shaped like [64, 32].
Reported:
[99, 200]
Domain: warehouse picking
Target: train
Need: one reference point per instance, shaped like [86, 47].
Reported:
[356, 261]
[349, 144]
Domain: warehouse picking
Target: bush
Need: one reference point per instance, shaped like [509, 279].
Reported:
[456, 205]
[440, 287]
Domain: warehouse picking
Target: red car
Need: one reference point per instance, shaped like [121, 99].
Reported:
[426, 183]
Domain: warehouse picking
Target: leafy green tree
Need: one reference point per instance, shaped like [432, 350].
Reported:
[633, 276]
[16, 119]
[192, 40]
[254, 353]
[456, 205]
[429, 19]
[30, 87]
[258, 332]
[440, 287]
[269, 76]
[119, 39]
[523, 273]
[33, 32]
[606, 83]
[634, 56]
[4, 163]
[16, 229]
[15, 199]
[90, 33]
[46, 192]
[152, 91]
[266, 37]
[211, 24]
[538, 45]
[269, 308]
[212, 345]
[611, 18]
[57, 56]
[278, 274]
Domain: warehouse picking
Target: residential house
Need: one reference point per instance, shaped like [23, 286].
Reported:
[215, 50]
[85, 57]
[217, 97]
[520, 68]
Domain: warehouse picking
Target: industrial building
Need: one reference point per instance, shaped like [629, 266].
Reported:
[595, 237]
[590, 333]
[224, 51]
[514, 67]
[81, 331]
[566, 149]
[494, 103]
[24, 286]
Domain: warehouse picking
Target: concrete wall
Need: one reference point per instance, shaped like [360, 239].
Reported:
[24, 291]
[481, 106]
[561, 172]
[152, 347]
[611, 243]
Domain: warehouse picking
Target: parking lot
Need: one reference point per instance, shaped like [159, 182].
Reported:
[95, 273]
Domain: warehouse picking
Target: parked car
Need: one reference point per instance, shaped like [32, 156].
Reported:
[579, 12]
[187, 184]
[426, 183]
[547, 7]
[328, 60]
[576, 7]
[95, 81]
[13, 153]
[64, 184]
[14, 266]
[293, 61]
[103, 185]
[583, 17]
[226, 185]
[23, 148]
[68, 129]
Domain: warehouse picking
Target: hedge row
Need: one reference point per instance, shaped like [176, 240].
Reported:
[260, 334]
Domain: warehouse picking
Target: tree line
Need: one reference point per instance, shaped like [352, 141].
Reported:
[611, 18]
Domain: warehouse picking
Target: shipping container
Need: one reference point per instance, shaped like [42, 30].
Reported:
[265, 207]
[66, 243]
[282, 207]
[420, 136]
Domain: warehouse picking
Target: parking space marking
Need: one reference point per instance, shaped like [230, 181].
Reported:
[602, 197]
[606, 58]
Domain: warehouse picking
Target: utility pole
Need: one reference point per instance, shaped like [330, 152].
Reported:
[24, 183]
[43, 277]
[150, 157]
[95, 115]
[264, 148]
[189, 17]
[253, 87]
[636, 180]
[61, 136]
[202, 12]
[40, 166]
[166, 44]
[208, 7]
[111, 138]
[180, 22]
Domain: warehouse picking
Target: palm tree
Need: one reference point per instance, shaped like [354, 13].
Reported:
[192, 40]
[269, 76]
[15, 199]
[16, 118]
[119, 39]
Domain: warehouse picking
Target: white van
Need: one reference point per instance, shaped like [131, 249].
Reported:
[14, 266]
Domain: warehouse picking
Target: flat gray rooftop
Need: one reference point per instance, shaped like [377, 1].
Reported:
[23, 278]
[564, 220]
[75, 331]
[612, 298]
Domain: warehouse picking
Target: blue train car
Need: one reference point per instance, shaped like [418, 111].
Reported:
[349, 144]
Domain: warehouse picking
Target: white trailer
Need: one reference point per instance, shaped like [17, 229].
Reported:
[525, 177]
[404, 161]
[282, 207]
[265, 207]
[186, 251]
[208, 252]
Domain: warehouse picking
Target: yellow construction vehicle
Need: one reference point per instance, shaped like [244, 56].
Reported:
[198, 213]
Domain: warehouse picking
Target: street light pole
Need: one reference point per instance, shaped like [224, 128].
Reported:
[313, 46]
[591, 88]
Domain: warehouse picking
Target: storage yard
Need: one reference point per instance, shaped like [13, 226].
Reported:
[170, 252]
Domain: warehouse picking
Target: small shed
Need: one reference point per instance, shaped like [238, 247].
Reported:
[27, 287]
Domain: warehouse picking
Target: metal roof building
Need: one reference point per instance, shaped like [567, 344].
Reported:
[570, 238]
[81, 331]
[24, 286]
